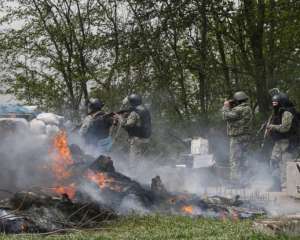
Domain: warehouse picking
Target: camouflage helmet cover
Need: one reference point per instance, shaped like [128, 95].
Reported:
[240, 96]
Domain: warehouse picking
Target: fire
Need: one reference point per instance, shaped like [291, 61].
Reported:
[61, 161]
[103, 181]
[187, 209]
[61, 156]
[69, 190]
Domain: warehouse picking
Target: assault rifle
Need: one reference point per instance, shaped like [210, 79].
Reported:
[107, 115]
[232, 103]
[265, 127]
[120, 112]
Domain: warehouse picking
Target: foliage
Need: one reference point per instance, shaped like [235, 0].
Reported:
[184, 56]
[162, 227]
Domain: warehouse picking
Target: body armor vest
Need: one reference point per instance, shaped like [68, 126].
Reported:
[99, 128]
[144, 130]
[277, 120]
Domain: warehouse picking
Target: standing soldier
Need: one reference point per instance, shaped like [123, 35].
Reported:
[238, 115]
[95, 128]
[138, 127]
[283, 131]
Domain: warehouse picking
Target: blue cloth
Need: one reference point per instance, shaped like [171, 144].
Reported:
[104, 145]
[14, 108]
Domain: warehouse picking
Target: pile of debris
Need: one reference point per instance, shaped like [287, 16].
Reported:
[100, 193]
[288, 225]
[83, 192]
[34, 212]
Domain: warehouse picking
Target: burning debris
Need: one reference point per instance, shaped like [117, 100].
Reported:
[84, 192]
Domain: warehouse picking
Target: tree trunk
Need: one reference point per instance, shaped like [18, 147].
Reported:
[255, 18]
[271, 83]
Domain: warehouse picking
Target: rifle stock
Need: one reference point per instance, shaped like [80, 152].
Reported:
[267, 130]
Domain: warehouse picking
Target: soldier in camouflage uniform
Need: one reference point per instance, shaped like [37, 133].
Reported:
[95, 129]
[238, 115]
[138, 127]
[283, 131]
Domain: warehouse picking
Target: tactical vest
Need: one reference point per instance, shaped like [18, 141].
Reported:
[98, 129]
[144, 130]
[277, 120]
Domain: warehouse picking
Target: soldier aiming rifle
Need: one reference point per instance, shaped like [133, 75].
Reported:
[238, 115]
[138, 126]
[95, 128]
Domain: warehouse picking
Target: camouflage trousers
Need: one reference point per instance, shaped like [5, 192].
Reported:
[238, 156]
[279, 158]
[138, 147]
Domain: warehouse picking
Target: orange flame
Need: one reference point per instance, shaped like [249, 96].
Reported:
[187, 209]
[103, 181]
[69, 190]
[61, 160]
[61, 156]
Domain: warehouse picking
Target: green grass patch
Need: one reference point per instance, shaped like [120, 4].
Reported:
[162, 228]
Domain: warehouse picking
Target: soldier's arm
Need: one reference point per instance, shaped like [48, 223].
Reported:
[286, 123]
[132, 120]
[109, 120]
[230, 114]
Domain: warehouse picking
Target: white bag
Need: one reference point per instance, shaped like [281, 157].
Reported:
[50, 118]
[37, 126]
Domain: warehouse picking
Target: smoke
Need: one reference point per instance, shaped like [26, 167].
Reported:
[130, 204]
[23, 157]
[92, 192]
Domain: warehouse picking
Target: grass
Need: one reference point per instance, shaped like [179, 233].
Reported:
[162, 228]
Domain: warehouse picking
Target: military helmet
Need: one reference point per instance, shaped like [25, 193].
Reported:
[95, 104]
[282, 99]
[276, 98]
[240, 96]
[134, 100]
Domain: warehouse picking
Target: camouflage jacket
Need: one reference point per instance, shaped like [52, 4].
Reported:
[239, 119]
[132, 120]
[285, 125]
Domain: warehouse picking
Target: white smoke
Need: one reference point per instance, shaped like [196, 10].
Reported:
[23, 158]
[131, 205]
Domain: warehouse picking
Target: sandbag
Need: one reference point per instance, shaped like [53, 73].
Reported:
[37, 126]
[50, 118]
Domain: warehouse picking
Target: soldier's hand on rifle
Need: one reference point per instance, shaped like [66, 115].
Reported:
[227, 103]
[269, 127]
[116, 119]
